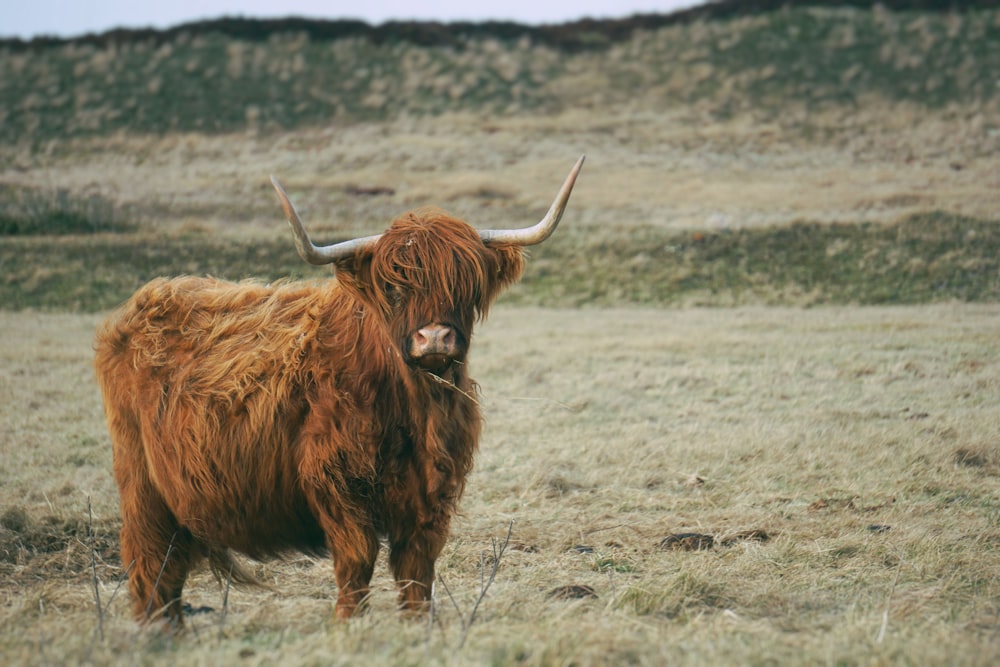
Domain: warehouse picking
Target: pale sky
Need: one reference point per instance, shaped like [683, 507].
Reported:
[69, 18]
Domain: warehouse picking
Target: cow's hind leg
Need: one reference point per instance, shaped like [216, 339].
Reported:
[156, 551]
[159, 554]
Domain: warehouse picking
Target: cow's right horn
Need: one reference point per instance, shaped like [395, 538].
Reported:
[309, 251]
[547, 225]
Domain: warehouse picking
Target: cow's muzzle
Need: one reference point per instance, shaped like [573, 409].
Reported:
[435, 347]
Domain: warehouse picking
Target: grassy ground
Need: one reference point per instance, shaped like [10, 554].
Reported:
[839, 463]
[844, 462]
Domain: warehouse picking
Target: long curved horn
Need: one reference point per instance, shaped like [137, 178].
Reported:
[544, 229]
[309, 251]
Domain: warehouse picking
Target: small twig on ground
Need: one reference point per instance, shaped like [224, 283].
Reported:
[585, 533]
[888, 602]
[93, 570]
[121, 580]
[225, 601]
[485, 583]
[159, 575]
[430, 614]
[451, 597]
[611, 581]
[565, 406]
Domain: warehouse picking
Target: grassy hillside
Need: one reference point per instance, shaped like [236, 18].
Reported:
[233, 74]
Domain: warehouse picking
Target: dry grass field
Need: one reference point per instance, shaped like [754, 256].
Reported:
[678, 169]
[844, 462]
[787, 481]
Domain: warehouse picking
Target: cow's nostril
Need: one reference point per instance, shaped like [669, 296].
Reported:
[448, 337]
[435, 339]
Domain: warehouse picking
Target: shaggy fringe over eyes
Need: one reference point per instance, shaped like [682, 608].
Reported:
[428, 252]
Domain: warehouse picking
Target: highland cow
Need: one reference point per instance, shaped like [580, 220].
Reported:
[320, 417]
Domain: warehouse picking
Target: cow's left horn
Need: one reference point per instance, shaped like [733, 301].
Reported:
[544, 229]
[309, 251]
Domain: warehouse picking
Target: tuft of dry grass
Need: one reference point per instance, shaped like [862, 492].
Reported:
[860, 442]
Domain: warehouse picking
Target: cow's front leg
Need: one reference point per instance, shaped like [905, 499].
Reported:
[337, 494]
[354, 549]
[412, 559]
[353, 545]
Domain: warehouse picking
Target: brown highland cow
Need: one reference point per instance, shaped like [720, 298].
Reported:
[317, 417]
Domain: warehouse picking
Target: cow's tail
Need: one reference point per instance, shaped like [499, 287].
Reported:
[227, 569]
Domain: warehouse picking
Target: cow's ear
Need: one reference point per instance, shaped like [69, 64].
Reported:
[354, 272]
[505, 266]
[510, 265]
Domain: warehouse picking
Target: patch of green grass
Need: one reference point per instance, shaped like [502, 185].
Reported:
[924, 258]
[614, 563]
[675, 596]
[29, 211]
[97, 273]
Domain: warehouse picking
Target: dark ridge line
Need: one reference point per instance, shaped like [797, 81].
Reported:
[581, 35]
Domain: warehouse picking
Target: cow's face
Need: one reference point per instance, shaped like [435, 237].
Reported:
[431, 277]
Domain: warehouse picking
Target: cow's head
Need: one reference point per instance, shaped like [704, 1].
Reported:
[430, 275]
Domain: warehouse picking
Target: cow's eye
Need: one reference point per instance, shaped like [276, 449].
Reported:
[394, 293]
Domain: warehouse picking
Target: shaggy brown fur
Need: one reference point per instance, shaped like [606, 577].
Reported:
[266, 419]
